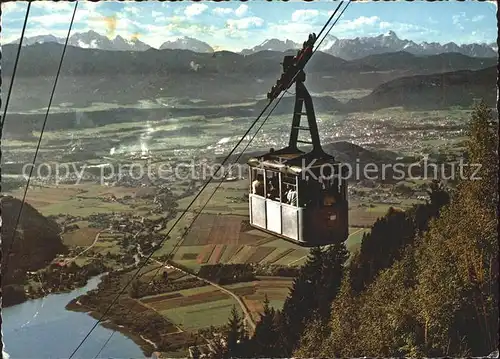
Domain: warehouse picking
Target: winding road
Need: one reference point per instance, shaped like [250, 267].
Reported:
[67, 261]
[248, 317]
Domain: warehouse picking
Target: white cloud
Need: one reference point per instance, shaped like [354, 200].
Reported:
[64, 18]
[50, 6]
[363, 20]
[195, 9]
[220, 11]
[357, 24]
[245, 23]
[304, 15]
[13, 6]
[297, 32]
[478, 18]
[385, 25]
[132, 10]
[457, 18]
[45, 12]
[241, 10]
[156, 14]
[158, 34]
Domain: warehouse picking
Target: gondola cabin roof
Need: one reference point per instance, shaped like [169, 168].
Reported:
[294, 163]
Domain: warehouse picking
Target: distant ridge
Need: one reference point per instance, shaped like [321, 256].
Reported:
[347, 49]
[434, 91]
[147, 74]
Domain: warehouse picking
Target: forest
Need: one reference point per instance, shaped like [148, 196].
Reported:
[423, 283]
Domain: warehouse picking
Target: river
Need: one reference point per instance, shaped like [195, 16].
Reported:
[43, 329]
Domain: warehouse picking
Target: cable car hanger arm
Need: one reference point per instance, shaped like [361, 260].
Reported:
[293, 66]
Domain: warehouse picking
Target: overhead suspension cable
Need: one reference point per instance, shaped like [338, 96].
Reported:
[167, 234]
[186, 231]
[194, 200]
[15, 65]
[41, 135]
[331, 27]
[220, 182]
[249, 142]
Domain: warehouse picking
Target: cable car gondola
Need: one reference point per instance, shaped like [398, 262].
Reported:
[296, 195]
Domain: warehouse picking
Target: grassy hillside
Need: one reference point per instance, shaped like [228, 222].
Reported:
[35, 244]
[435, 91]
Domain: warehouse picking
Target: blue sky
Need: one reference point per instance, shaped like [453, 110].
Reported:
[233, 25]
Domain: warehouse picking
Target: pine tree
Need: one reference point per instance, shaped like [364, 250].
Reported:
[300, 303]
[441, 297]
[482, 151]
[312, 292]
[335, 257]
[235, 334]
[438, 195]
[265, 339]
[458, 272]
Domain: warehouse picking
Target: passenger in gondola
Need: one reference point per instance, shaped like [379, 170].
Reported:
[258, 186]
[291, 196]
[284, 192]
[274, 190]
[332, 194]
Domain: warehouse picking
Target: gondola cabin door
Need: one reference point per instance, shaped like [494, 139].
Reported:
[309, 211]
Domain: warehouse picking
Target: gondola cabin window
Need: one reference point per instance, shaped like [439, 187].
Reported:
[257, 182]
[290, 191]
[322, 191]
[309, 209]
[272, 186]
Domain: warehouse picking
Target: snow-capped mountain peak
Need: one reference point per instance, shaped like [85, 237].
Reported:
[187, 43]
[328, 42]
[90, 40]
[347, 49]
[272, 45]
[40, 39]
[94, 40]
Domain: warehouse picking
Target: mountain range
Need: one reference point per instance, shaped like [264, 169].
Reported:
[90, 75]
[89, 40]
[347, 49]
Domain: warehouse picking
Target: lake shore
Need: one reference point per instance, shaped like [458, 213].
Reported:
[147, 346]
[44, 328]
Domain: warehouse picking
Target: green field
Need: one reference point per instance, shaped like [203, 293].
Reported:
[201, 307]
[202, 315]
[355, 236]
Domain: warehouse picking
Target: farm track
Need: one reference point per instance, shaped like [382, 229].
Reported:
[96, 238]
[248, 317]
[146, 305]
